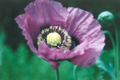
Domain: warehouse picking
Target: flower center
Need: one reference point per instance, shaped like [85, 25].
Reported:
[53, 39]
[55, 36]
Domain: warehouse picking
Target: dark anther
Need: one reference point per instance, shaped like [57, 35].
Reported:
[75, 42]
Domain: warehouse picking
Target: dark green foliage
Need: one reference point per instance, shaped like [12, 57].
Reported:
[106, 64]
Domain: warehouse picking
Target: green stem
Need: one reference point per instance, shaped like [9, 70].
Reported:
[74, 72]
[112, 40]
[57, 74]
[114, 47]
[117, 50]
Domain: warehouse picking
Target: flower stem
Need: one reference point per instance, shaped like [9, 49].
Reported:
[112, 40]
[117, 50]
[57, 74]
[74, 72]
[114, 48]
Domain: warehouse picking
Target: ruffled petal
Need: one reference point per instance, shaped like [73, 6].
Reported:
[54, 64]
[45, 12]
[76, 19]
[92, 51]
[43, 52]
[52, 54]
[30, 32]
[87, 30]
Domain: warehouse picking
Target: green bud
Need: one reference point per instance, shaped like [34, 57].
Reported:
[106, 18]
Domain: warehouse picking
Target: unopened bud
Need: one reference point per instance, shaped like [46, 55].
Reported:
[106, 18]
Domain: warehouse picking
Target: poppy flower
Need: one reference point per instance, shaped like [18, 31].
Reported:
[56, 33]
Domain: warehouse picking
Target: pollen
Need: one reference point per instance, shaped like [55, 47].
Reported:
[53, 39]
[55, 36]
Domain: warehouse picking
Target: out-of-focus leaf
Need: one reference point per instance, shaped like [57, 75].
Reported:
[2, 39]
[21, 54]
[106, 64]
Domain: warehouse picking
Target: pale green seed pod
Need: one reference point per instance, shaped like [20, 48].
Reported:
[53, 39]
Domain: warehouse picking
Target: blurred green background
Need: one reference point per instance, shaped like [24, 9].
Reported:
[17, 62]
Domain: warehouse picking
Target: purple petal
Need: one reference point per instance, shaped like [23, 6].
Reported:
[27, 25]
[45, 12]
[52, 53]
[54, 64]
[44, 52]
[88, 58]
[76, 19]
[87, 30]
